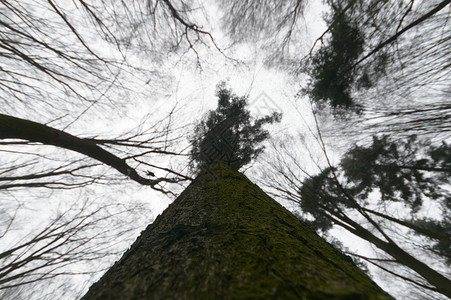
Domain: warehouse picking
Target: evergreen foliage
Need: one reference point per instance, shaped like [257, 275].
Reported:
[375, 51]
[405, 171]
[398, 169]
[330, 69]
[229, 134]
[320, 193]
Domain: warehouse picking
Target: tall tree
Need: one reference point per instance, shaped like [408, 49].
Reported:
[225, 238]
[229, 133]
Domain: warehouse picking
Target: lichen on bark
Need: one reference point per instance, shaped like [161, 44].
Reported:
[224, 238]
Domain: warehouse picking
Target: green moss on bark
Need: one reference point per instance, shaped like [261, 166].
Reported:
[224, 238]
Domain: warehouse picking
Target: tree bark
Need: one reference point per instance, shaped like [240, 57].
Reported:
[224, 238]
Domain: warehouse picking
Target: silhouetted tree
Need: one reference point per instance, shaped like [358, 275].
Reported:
[229, 134]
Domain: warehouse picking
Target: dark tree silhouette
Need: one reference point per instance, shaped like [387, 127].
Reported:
[382, 66]
[330, 69]
[359, 49]
[229, 134]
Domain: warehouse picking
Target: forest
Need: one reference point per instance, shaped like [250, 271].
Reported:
[337, 109]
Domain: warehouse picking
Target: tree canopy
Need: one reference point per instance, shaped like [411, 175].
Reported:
[393, 76]
[229, 133]
[331, 67]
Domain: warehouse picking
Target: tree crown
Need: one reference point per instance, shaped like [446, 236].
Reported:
[229, 134]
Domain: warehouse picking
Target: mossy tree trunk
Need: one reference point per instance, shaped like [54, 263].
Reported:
[224, 238]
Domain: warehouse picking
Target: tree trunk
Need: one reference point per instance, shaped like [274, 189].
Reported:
[224, 238]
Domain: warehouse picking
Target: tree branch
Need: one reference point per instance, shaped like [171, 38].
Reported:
[439, 7]
[16, 128]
